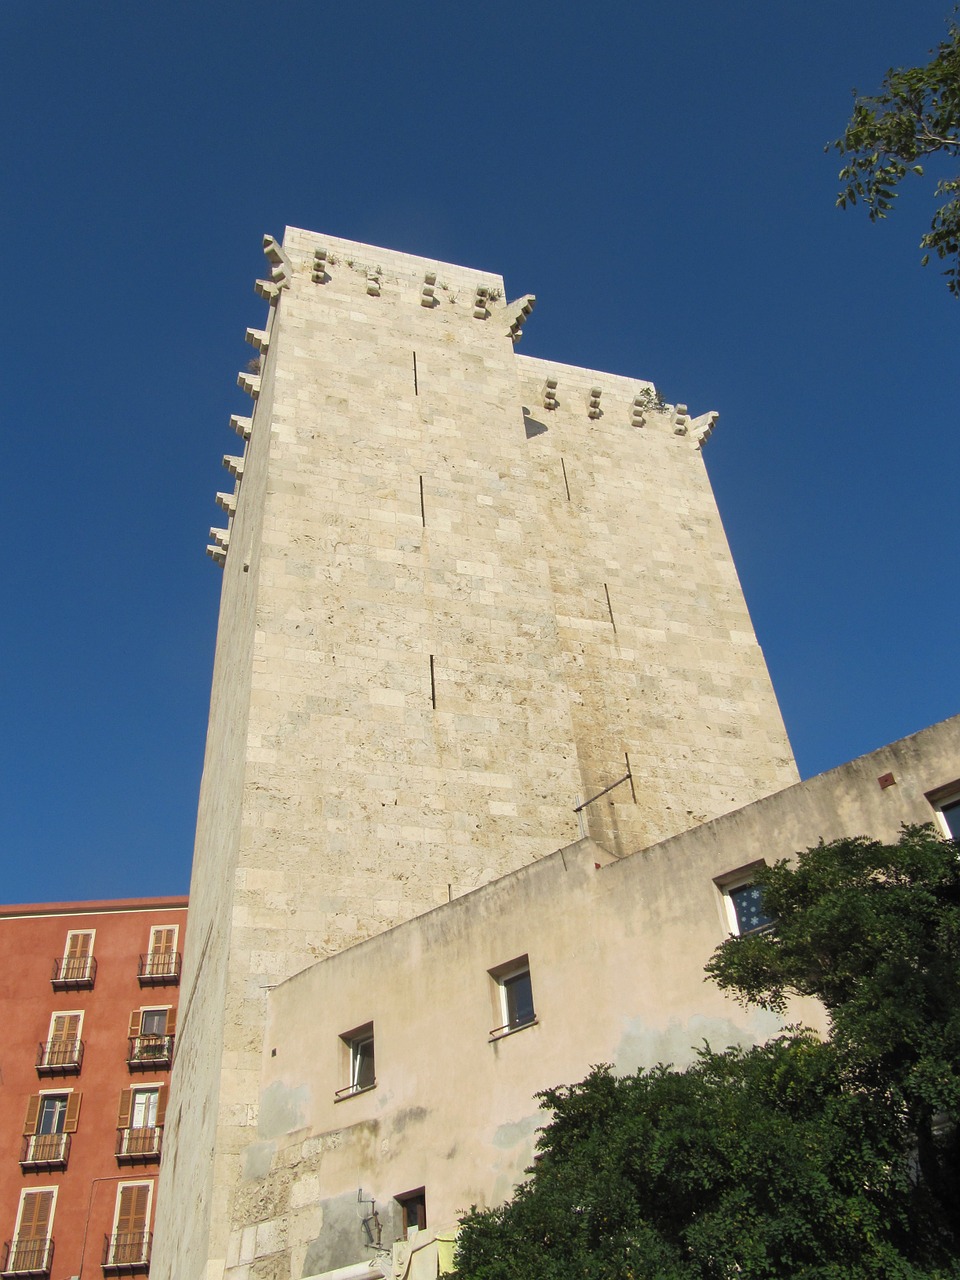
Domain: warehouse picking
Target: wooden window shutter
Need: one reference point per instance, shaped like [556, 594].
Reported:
[135, 1020]
[171, 1021]
[79, 946]
[132, 1213]
[73, 1113]
[33, 1115]
[35, 1215]
[162, 941]
[162, 1106]
[126, 1105]
[66, 1027]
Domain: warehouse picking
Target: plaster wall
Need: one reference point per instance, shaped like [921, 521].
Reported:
[32, 937]
[616, 950]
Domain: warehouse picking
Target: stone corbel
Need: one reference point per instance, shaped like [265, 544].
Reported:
[250, 383]
[258, 338]
[702, 428]
[593, 405]
[428, 294]
[216, 554]
[242, 426]
[550, 400]
[516, 314]
[280, 267]
[681, 420]
[318, 273]
[234, 465]
[267, 290]
[227, 502]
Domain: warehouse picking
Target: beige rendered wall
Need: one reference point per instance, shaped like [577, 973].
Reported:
[418, 676]
[616, 951]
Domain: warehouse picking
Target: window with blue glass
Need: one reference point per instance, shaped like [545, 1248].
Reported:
[950, 813]
[748, 909]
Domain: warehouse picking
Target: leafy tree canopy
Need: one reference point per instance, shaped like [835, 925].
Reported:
[796, 1158]
[873, 931]
[916, 115]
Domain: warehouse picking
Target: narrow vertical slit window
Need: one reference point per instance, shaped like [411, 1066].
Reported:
[423, 509]
[433, 685]
[566, 482]
[416, 384]
[613, 622]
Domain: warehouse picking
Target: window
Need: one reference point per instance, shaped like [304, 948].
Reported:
[140, 1122]
[77, 967]
[413, 1212]
[161, 964]
[743, 900]
[946, 805]
[127, 1248]
[151, 1037]
[514, 996]
[62, 1053]
[360, 1061]
[30, 1252]
[50, 1120]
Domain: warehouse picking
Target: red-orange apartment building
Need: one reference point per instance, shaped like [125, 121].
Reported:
[88, 998]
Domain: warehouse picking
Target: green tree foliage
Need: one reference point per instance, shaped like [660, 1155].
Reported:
[916, 115]
[873, 931]
[797, 1158]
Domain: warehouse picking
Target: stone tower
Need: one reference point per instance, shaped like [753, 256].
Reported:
[464, 592]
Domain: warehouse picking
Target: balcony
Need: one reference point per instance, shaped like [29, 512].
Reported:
[27, 1257]
[138, 1144]
[159, 969]
[60, 1058]
[148, 1052]
[126, 1253]
[45, 1151]
[74, 973]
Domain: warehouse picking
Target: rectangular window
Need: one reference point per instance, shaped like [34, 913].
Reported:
[360, 1060]
[151, 1037]
[945, 802]
[161, 964]
[129, 1244]
[31, 1250]
[743, 900]
[140, 1122]
[77, 967]
[50, 1120]
[413, 1212]
[62, 1052]
[748, 911]
[514, 996]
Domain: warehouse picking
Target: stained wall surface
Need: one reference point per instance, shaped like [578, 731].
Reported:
[445, 623]
[615, 949]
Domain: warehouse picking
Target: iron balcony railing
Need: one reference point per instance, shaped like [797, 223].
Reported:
[28, 1257]
[73, 971]
[139, 1144]
[126, 1252]
[59, 1057]
[45, 1151]
[150, 1051]
[158, 968]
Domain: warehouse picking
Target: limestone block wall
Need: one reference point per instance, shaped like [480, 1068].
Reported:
[658, 649]
[429, 653]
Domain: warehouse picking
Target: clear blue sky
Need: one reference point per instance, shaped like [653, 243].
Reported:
[654, 172]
